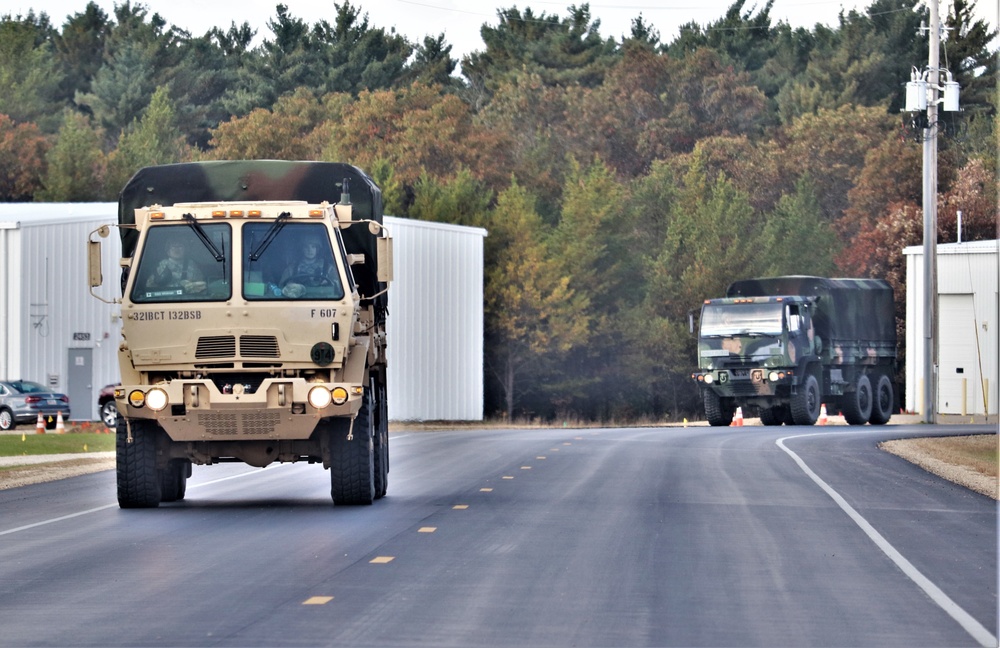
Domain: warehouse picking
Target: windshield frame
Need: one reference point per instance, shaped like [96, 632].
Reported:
[272, 254]
[754, 318]
[200, 276]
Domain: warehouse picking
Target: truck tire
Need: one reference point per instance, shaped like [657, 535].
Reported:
[381, 438]
[883, 400]
[352, 463]
[772, 415]
[805, 402]
[173, 480]
[716, 413]
[856, 406]
[138, 479]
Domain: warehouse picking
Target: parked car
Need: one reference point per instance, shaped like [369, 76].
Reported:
[107, 406]
[21, 401]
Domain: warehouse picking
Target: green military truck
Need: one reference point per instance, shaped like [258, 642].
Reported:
[253, 304]
[782, 347]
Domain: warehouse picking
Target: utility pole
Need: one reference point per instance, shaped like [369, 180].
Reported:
[923, 92]
[930, 218]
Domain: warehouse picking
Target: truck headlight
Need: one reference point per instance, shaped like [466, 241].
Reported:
[319, 397]
[156, 399]
[709, 379]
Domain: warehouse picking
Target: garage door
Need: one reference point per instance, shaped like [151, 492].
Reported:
[958, 357]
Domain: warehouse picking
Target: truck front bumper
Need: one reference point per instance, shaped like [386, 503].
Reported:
[280, 408]
[757, 381]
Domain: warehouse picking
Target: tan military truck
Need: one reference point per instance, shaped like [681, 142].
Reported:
[253, 303]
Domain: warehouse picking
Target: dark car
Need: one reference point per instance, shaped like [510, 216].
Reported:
[21, 401]
[107, 406]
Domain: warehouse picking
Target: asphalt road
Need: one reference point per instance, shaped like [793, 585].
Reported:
[628, 537]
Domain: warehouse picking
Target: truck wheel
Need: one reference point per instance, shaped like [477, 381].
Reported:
[716, 413]
[772, 415]
[173, 480]
[352, 469]
[857, 405]
[805, 402]
[6, 420]
[138, 480]
[381, 430]
[883, 401]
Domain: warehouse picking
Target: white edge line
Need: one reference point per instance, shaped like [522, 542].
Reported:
[109, 506]
[954, 610]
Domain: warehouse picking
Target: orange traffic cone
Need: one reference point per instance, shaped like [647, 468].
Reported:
[40, 424]
[738, 418]
[60, 426]
[822, 414]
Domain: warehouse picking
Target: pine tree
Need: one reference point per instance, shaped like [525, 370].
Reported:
[153, 139]
[75, 163]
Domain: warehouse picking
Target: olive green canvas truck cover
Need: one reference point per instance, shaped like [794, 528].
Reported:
[855, 314]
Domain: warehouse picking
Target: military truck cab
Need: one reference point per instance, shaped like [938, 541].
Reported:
[783, 347]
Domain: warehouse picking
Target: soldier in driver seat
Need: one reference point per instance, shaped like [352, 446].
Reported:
[311, 269]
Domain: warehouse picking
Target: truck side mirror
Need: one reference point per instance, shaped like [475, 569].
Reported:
[384, 255]
[94, 256]
[94, 264]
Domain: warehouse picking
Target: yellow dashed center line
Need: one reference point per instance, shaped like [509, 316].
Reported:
[485, 490]
[427, 529]
[317, 600]
[539, 457]
[381, 560]
[525, 467]
[507, 477]
[460, 507]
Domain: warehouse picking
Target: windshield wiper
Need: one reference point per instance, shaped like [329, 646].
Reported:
[207, 242]
[269, 236]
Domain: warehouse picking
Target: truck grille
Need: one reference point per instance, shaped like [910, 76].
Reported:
[223, 424]
[258, 346]
[224, 346]
[221, 346]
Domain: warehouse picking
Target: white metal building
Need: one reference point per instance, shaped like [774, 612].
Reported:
[968, 327]
[51, 330]
[54, 332]
[435, 325]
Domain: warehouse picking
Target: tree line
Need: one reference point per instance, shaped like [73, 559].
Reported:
[622, 181]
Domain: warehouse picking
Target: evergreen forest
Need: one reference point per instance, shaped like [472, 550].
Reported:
[622, 181]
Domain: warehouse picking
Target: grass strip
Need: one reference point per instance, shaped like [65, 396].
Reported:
[29, 443]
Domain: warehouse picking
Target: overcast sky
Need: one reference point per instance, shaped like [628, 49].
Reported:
[460, 20]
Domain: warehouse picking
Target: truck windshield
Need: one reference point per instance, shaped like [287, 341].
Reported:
[296, 264]
[741, 319]
[175, 265]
